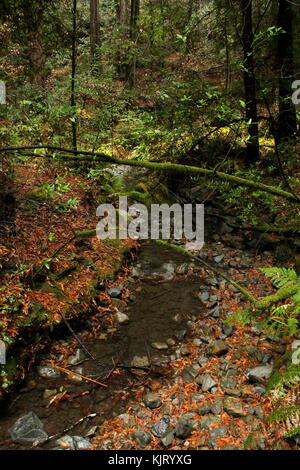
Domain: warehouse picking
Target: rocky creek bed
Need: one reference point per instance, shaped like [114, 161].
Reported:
[174, 373]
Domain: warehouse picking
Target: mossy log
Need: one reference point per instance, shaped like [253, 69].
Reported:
[82, 155]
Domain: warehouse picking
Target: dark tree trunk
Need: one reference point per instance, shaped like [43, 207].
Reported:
[123, 23]
[286, 121]
[133, 35]
[73, 74]
[249, 82]
[7, 196]
[37, 60]
[94, 33]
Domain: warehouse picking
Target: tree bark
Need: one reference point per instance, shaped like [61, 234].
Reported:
[73, 74]
[252, 155]
[286, 122]
[133, 35]
[94, 33]
[123, 23]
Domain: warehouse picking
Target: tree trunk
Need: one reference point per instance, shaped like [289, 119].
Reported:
[7, 196]
[133, 35]
[122, 7]
[286, 121]
[249, 83]
[94, 32]
[73, 74]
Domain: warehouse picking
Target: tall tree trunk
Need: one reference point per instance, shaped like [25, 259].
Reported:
[133, 35]
[73, 74]
[35, 48]
[286, 121]
[122, 7]
[94, 32]
[249, 82]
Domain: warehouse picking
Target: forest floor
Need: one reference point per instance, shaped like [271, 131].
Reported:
[154, 365]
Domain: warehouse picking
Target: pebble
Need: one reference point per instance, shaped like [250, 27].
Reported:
[152, 401]
[142, 437]
[234, 407]
[48, 372]
[159, 346]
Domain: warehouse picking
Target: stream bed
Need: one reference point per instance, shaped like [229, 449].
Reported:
[163, 289]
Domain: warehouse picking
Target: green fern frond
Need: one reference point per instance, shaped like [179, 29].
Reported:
[283, 412]
[292, 432]
[281, 277]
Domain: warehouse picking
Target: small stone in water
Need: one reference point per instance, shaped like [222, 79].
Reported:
[48, 372]
[28, 429]
[158, 345]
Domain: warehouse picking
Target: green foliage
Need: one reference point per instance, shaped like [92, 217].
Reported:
[282, 319]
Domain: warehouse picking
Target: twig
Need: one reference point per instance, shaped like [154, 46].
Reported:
[76, 337]
[70, 372]
[57, 435]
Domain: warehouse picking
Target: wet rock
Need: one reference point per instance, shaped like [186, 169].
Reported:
[228, 330]
[204, 423]
[75, 378]
[219, 431]
[140, 361]
[73, 443]
[215, 312]
[121, 318]
[49, 393]
[229, 383]
[180, 334]
[204, 296]
[256, 410]
[170, 342]
[233, 406]
[261, 372]
[184, 428]
[185, 352]
[152, 401]
[142, 437]
[168, 439]
[189, 374]
[211, 443]
[127, 420]
[28, 429]
[217, 406]
[75, 358]
[162, 427]
[206, 382]
[218, 348]
[48, 372]
[197, 396]
[115, 292]
[256, 424]
[204, 410]
[257, 442]
[159, 345]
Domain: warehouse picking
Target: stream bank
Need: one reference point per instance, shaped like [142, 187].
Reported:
[175, 373]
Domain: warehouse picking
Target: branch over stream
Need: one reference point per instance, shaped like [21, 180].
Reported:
[83, 155]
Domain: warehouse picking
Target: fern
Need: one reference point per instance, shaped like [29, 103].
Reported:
[276, 315]
[281, 277]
